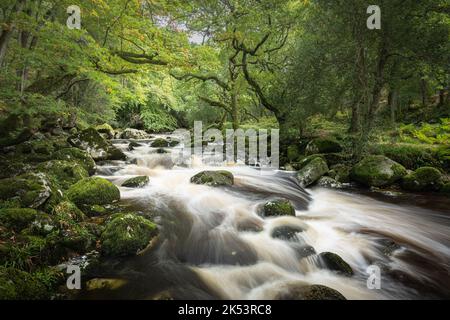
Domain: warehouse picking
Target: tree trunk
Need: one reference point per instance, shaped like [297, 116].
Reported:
[392, 101]
[7, 31]
[423, 91]
[234, 107]
[355, 124]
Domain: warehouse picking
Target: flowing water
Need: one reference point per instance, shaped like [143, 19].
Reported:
[214, 245]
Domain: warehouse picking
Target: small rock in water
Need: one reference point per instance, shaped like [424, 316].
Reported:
[328, 182]
[214, 178]
[334, 262]
[308, 292]
[136, 182]
[277, 207]
[250, 225]
[132, 145]
[160, 143]
[161, 151]
[288, 233]
[312, 172]
[104, 284]
[304, 250]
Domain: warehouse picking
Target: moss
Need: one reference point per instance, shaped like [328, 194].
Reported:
[136, 182]
[99, 149]
[377, 171]
[126, 234]
[65, 173]
[335, 263]
[17, 218]
[106, 129]
[93, 190]
[323, 145]
[423, 179]
[278, 207]
[341, 173]
[160, 143]
[302, 162]
[174, 143]
[312, 172]
[67, 210]
[214, 178]
[80, 156]
[293, 153]
[31, 189]
[20, 285]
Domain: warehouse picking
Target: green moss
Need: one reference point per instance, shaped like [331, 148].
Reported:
[293, 153]
[67, 210]
[126, 234]
[303, 161]
[65, 173]
[106, 129]
[312, 172]
[334, 262]
[19, 285]
[323, 145]
[341, 173]
[93, 190]
[136, 182]
[80, 156]
[160, 143]
[17, 218]
[278, 207]
[377, 171]
[423, 179]
[214, 178]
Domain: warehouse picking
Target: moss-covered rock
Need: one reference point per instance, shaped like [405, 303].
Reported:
[423, 179]
[99, 149]
[214, 178]
[126, 234]
[65, 173]
[20, 285]
[303, 161]
[93, 190]
[340, 173]
[308, 292]
[17, 218]
[377, 171]
[77, 155]
[106, 129]
[328, 182]
[312, 172]
[130, 133]
[31, 190]
[173, 143]
[136, 182]
[323, 145]
[277, 207]
[333, 262]
[66, 210]
[160, 143]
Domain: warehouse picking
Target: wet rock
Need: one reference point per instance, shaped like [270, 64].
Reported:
[126, 234]
[99, 149]
[277, 207]
[214, 178]
[132, 145]
[105, 284]
[323, 145]
[93, 190]
[303, 161]
[174, 143]
[312, 172]
[65, 173]
[388, 246]
[161, 151]
[80, 156]
[160, 143]
[340, 172]
[308, 292]
[130, 133]
[335, 263]
[288, 233]
[136, 182]
[377, 171]
[328, 182]
[250, 225]
[423, 179]
[304, 250]
[105, 129]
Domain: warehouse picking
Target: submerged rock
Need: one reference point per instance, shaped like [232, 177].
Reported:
[423, 179]
[136, 182]
[323, 145]
[312, 172]
[126, 234]
[377, 171]
[93, 191]
[214, 178]
[288, 233]
[77, 155]
[308, 292]
[335, 263]
[99, 149]
[277, 207]
[132, 145]
[160, 143]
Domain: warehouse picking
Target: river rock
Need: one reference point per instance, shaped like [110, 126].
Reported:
[106, 129]
[132, 145]
[99, 149]
[328, 182]
[93, 191]
[335, 263]
[214, 178]
[126, 234]
[80, 156]
[130, 133]
[288, 233]
[136, 182]
[277, 207]
[423, 179]
[308, 292]
[312, 172]
[160, 143]
[105, 284]
[65, 173]
[340, 173]
[323, 145]
[377, 171]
